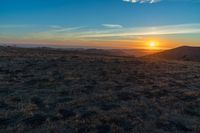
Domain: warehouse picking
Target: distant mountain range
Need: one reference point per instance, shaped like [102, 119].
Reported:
[121, 52]
[185, 53]
[104, 52]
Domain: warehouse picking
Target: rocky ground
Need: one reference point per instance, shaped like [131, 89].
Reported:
[64, 92]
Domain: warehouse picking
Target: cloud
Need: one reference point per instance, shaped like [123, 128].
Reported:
[55, 26]
[112, 26]
[147, 31]
[142, 1]
[82, 34]
[11, 26]
[155, 1]
[67, 29]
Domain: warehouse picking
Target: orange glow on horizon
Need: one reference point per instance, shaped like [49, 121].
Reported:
[148, 43]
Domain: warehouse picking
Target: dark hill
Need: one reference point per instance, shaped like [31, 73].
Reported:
[185, 53]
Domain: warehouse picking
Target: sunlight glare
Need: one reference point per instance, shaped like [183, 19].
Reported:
[152, 44]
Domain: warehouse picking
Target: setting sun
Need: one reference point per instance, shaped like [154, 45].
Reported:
[152, 44]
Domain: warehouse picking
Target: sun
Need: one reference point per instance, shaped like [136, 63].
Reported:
[152, 44]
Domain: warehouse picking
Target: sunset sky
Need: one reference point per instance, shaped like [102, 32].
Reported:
[100, 23]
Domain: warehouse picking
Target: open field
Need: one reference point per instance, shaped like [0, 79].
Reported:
[43, 90]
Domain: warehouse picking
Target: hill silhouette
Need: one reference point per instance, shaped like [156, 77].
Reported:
[185, 53]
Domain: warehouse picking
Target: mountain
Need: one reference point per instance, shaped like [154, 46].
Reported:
[121, 52]
[8, 50]
[185, 53]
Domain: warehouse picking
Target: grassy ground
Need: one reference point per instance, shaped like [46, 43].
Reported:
[54, 91]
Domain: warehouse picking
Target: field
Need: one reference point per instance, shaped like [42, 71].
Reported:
[44, 90]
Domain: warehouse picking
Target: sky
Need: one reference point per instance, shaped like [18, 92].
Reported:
[100, 23]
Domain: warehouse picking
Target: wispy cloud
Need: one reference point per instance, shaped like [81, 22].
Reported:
[142, 1]
[155, 1]
[55, 26]
[63, 29]
[9, 26]
[148, 31]
[97, 34]
[112, 26]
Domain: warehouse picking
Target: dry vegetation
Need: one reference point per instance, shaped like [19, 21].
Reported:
[44, 90]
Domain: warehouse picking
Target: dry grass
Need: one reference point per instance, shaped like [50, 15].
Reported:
[54, 91]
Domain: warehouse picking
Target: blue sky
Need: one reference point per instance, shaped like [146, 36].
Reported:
[106, 23]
